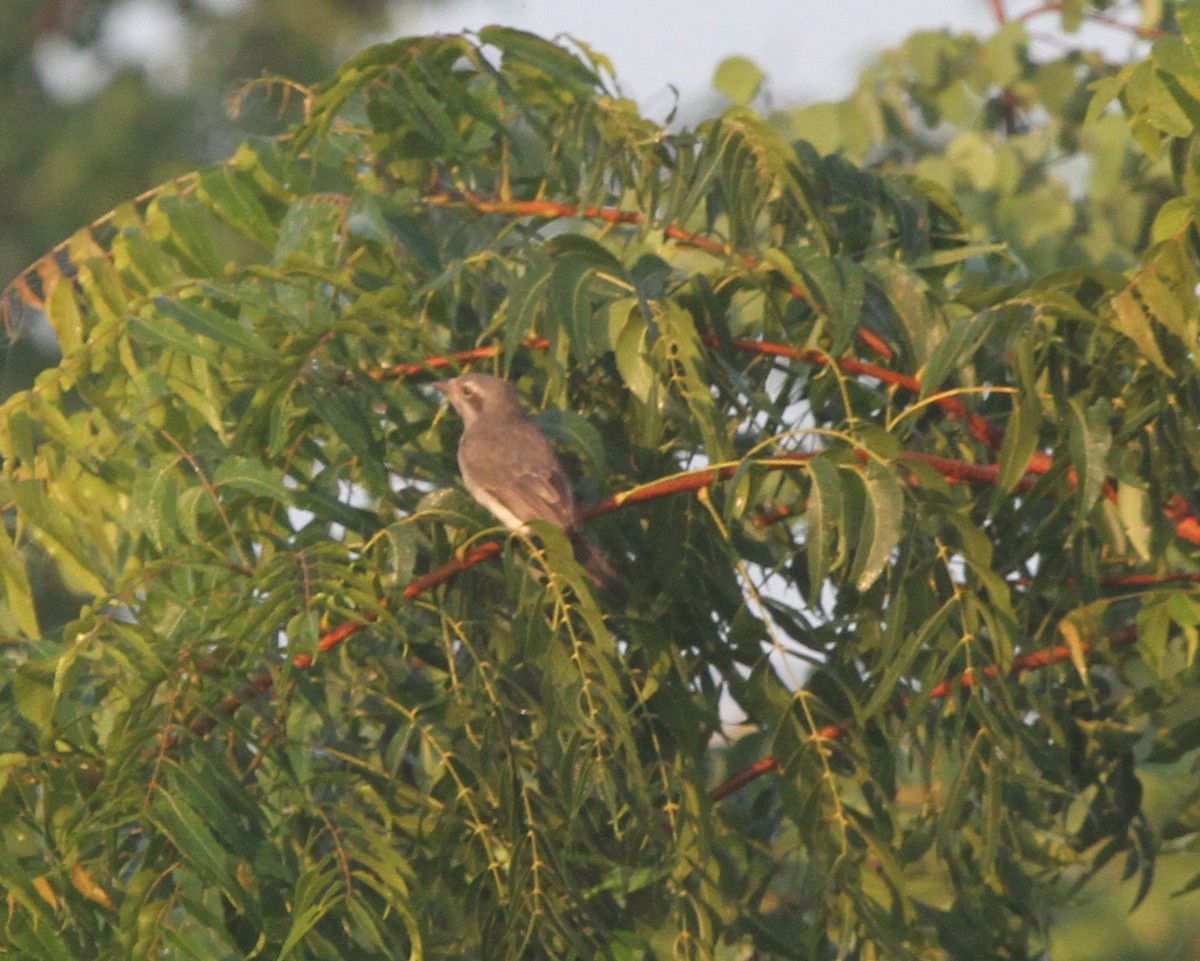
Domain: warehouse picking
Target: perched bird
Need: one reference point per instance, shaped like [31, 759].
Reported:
[508, 467]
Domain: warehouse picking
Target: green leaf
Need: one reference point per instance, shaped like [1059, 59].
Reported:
[202, 320]
[310, 238]
[317, 892]
[528, 48]
[344, 417]
[880, 530]
[365, 218]
[193, 501]
[825, 525]
[429, 117]
[955, 351]
[1090, 441]
[17, 613]
[33, 693]
[840, 285]
[159, 329]
[626, 880]
[231, 196]
[1133, 507]
[956, 255]
[330, 510]
[401, 551]
[64, 313]
[155, 499]
[1177, 68]
[1021, 433]
[524, 300]
[195, 840]
[59, 537]
[251, 476]
[1172, 303]
[186, 232]
[630, 340]
[263, 163]
[755, 162]
[680, 355]
[907, 294]
[1133, 322]
[576, 433]
[1184, 610]
[738, 78]
[571, 307]
[38, 939]
[1002, 55]
[901, 656]
[143, 264]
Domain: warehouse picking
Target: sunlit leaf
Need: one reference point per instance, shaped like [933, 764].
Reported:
[738, 78]
[1091, 439]
[881, 525]
[1132, 321]
[17, 610]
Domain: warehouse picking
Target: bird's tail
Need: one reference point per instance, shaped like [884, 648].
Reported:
[594, 562]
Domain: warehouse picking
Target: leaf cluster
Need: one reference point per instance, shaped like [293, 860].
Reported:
[779, 366]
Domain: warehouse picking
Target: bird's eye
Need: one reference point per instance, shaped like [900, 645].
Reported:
[468, 390]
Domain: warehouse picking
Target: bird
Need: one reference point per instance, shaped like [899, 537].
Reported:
[508, 466]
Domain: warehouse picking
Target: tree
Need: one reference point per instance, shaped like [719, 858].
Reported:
[887, 490]
[76, 158]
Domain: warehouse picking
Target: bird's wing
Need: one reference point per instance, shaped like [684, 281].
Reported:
[521, 480]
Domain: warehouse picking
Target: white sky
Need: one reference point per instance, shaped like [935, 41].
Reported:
[809, 49]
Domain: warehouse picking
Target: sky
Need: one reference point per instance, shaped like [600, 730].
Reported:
[810, 50]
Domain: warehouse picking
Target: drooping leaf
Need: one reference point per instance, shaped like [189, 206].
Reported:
[824, 529]
[1090, 441]
[880, 530]
[1021, 434]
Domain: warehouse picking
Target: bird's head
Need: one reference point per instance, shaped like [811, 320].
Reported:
[473, 395]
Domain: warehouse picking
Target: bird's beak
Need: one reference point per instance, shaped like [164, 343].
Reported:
[442, 385]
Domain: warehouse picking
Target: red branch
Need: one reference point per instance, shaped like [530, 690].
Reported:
[1143, 33]
[952, 469]
[1033, 660]
[682, 483]
[979, 427]
[1187, 526]
[451, 361]
[613, 215]
[446, 572]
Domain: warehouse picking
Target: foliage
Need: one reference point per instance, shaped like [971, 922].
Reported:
[864, 461]
[76, 158]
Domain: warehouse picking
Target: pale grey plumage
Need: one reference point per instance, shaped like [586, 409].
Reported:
[507, 465]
